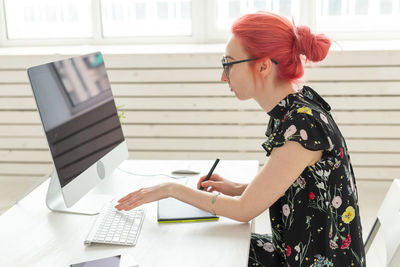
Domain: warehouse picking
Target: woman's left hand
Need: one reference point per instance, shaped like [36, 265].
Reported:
[143, 196]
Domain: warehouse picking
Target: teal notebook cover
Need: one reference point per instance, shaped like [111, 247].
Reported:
[173, 210]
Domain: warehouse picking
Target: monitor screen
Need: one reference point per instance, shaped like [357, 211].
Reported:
[78, 112]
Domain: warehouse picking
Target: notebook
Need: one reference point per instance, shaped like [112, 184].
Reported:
[173, 210]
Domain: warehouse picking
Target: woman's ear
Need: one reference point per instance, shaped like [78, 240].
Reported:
[265, 67]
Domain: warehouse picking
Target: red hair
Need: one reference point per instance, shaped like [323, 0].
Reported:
[265, 34]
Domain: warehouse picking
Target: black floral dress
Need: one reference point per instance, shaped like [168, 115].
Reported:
[316, 222]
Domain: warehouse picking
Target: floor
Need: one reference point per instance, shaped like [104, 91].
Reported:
[371, 195]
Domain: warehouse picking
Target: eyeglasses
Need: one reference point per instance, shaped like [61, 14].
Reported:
[226, 65]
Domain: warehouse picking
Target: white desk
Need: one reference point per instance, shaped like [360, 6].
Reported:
[31, 235]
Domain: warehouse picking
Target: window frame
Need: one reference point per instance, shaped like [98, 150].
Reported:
[203, 29]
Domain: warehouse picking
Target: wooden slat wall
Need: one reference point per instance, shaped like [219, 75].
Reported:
[176, 108]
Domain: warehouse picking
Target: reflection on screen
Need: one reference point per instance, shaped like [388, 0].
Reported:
[83, 78]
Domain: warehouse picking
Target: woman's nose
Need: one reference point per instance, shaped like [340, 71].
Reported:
[223, 77]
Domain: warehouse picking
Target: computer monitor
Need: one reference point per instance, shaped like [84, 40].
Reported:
[82, 127]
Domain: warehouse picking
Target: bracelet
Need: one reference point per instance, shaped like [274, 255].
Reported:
[214, 198]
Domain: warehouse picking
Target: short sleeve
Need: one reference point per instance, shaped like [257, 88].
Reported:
[305, 126]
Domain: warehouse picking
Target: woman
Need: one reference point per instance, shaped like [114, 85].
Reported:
[308, 182]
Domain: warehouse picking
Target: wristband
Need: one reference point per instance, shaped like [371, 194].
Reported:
[214, 198]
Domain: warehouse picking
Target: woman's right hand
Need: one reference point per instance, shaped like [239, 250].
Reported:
[219, 184]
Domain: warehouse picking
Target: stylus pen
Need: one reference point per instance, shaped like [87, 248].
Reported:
[210, 172]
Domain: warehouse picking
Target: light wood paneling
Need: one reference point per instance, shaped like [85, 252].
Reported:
[176, 108]
[43, 156]
[209, 131]
[380, 73]
[195, 59]
[354, 103]
[342, 117]
[335, 88]
[207, 144]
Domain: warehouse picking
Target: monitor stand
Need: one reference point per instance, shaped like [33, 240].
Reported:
[90, 204]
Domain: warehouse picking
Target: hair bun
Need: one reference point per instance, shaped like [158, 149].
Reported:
[314, 46]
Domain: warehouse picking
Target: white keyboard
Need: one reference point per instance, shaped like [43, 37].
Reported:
[116, 227]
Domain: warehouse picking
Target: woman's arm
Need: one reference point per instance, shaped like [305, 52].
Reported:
[283, 168]
[285, 165]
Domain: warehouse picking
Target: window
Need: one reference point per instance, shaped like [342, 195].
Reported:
[229, 10]
[53, 22]
[28, 19]
[146, 18]
[358, 15]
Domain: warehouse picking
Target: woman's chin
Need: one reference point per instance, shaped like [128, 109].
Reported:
[240, 97]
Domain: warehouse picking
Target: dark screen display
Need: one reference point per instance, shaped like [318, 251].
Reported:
[78, 112]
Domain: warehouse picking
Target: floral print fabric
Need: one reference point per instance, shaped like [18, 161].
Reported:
[316, 222]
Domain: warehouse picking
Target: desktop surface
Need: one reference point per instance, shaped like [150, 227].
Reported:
[32, 235]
